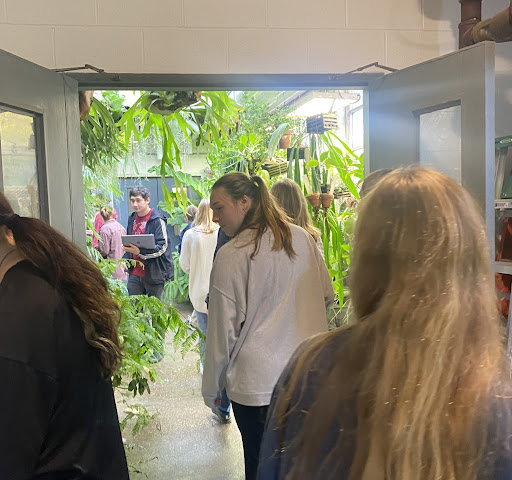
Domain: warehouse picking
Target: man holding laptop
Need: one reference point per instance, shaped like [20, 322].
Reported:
[154, 253]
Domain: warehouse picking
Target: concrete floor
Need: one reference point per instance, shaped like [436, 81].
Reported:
[185, 441]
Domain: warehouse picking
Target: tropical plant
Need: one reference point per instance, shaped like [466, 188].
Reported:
[332, 167]
[177, 289]
[102, 151]
[208, 120]
[253, 141]
[144, 324]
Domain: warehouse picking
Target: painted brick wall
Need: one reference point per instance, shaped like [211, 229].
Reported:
[243, 36]
[228, 36]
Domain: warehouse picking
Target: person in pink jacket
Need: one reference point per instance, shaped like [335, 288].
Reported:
[110, 245]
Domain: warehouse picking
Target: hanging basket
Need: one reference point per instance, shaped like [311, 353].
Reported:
[166, 103]
[321, 123]
[275, 168]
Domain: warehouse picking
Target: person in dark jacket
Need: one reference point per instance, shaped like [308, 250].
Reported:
[190, 216]
[418, 387]
[58, 349]
[153, 267]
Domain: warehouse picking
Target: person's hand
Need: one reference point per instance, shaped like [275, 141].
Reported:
[217, 401]
[133, 249]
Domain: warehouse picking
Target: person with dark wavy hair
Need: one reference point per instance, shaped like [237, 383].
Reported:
[58, 348]
[269, 290]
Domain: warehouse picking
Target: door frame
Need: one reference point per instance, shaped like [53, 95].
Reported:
[53, 99]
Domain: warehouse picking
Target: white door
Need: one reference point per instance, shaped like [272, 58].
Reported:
[439, 114]
[40, 157]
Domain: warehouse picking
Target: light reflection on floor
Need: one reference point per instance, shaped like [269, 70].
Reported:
[185, 442]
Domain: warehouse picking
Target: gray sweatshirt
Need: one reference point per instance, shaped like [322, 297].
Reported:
[260, 311]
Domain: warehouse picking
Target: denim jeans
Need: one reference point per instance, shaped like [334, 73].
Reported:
[202, 324]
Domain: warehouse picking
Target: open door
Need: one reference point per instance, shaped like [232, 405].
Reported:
[40, 158]
[439, 114]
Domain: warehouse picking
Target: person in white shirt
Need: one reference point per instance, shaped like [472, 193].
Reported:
[196, 259]
[269, 290]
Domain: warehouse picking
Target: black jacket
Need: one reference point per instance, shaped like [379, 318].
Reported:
[159, 266]
[275, 457]
[59, 418]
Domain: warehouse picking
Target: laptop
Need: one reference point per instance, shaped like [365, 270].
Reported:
[142, 241]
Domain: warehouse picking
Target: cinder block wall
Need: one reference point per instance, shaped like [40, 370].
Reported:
[243, 36]
[228, 36]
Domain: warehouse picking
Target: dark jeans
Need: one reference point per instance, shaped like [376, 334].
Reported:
[251, 423]
[138, 286]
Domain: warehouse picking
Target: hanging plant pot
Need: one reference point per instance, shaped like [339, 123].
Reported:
[314, 199]
[326, 199]
[286, 140]
[166, 103]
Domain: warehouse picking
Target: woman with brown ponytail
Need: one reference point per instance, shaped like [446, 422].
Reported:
[269, 290]
[418, 387]
[58, 349]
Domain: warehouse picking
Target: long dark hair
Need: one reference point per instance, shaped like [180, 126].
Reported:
[264, 212]
[73, 274]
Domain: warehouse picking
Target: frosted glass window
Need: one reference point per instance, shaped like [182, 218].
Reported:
[356, 128]
[440, 145]
[18, 163]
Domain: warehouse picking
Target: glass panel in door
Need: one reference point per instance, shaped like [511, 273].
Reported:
[19, 172]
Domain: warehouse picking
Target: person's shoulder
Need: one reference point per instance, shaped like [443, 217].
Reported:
[299, 232]
[324, 346]
[106, 227]
[26, 271]
[27, 281]
[157, 214]
[189, 234]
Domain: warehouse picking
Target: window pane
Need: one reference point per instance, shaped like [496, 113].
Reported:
[18, 163]
[440, 146]
[357, 129]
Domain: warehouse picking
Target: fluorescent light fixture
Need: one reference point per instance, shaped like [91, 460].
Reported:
[315, 102]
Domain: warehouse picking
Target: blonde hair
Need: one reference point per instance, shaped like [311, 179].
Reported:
[290, 198]
[423, 362]
[106, 213]
[263, 214]
[204, 217]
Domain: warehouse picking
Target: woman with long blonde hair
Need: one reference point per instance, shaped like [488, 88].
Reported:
[58, 349]
[196, 259]
[290, 198]
[417, 388]
[269, 289]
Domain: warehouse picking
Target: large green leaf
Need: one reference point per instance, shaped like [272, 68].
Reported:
[274, 139]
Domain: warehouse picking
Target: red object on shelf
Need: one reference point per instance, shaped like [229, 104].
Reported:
[504, 250]
[503, 281]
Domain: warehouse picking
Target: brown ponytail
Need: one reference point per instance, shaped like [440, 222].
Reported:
[70, 271]
[264, 212]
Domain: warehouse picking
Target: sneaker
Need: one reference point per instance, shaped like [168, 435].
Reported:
[222, 417]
